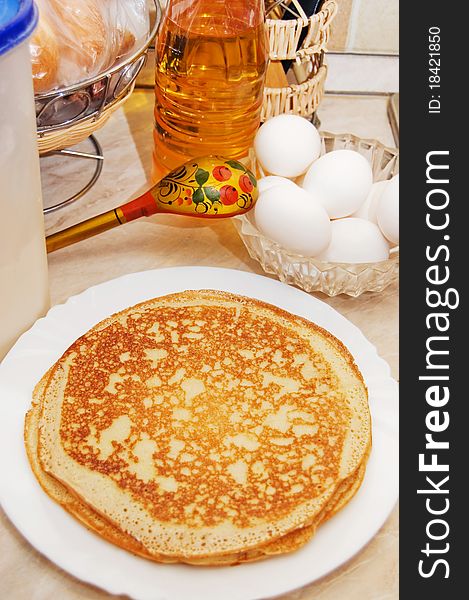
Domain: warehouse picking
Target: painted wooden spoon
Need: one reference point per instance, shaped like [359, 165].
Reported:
[210, 187]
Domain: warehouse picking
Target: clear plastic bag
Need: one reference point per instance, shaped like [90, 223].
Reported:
[44, 51]
[78, 39]
[130, 20]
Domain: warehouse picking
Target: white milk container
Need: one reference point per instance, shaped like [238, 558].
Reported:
[24, 292]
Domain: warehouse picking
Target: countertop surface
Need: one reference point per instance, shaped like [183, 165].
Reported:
[166, 240]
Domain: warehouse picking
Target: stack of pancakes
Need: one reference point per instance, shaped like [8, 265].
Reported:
[202, 427]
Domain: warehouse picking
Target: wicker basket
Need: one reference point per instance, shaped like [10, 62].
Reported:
[301, 98]
[284, 36]
[57, 139]
[304, 96]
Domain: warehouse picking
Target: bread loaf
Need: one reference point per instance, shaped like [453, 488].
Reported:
[44, 50]
[83, 39]
[76, 40]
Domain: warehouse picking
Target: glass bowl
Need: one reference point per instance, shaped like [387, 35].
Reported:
[311, 274]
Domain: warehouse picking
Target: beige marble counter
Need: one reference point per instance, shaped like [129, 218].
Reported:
[170, 241]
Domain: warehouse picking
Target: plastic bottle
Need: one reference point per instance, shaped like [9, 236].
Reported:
[24, 292]
[211, 58]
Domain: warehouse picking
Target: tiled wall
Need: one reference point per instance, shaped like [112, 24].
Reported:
[367, 26]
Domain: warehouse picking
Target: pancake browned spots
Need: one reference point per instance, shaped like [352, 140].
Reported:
[205, 426]
[233, 406]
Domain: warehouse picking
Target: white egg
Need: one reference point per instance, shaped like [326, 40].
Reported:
[270, 181]
[343, 179]
[388, 211]
[368, 209]
[287, 144]
[293, 218]
[355, 241]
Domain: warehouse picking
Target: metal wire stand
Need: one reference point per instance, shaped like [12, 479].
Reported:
[97, 156]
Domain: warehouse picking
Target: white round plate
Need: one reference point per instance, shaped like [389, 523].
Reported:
[68, 544]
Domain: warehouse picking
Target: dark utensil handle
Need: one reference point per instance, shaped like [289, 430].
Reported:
[311, 7]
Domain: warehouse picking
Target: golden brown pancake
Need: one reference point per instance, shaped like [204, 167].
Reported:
[204, 426]
[100, 526]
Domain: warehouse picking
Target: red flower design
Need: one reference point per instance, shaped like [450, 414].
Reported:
[228, 195]
[221, 173]
[245, 184]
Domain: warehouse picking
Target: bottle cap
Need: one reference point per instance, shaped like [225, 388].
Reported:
[18, 18]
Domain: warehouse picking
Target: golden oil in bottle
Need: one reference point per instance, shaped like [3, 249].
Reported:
[210, 68]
